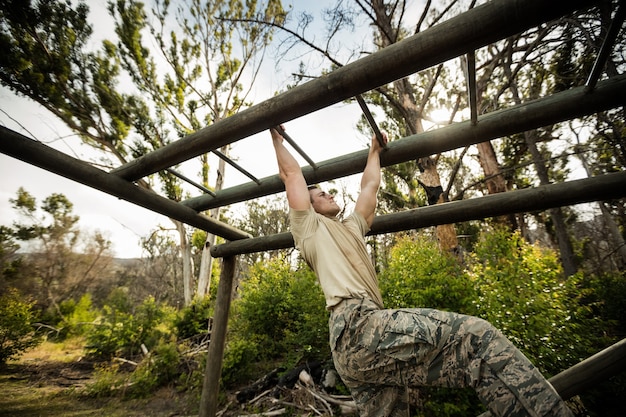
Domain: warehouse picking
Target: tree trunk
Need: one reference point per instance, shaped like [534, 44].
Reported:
[206, 263]
[185, 250]
[560, 228]
[611, 224]
[412, 112]
[494, 180]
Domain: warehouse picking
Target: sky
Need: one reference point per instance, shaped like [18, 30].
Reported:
[324, 134]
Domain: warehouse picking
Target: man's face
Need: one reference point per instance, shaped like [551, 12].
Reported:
[324, 203]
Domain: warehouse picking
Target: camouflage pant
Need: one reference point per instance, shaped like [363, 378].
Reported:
[379, 353]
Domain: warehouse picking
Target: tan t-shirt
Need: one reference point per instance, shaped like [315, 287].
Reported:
[337, 253]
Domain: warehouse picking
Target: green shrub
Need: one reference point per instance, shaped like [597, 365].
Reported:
[156, 369]
[193, 320]
[159, 368]
[16, 331]
[79, 316]
[283, 311]
[523, 292]
[121, 330]
[107, 380]
[239, 357]
[421, 275]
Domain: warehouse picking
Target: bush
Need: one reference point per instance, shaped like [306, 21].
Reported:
[193, 320]
[239, 357]
[121, 330]
[523, 292]
[280, 316]
[79, 316]
[157, 369]
[421, 275]
[16, 331]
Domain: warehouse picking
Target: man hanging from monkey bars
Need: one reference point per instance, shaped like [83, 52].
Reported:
[380, 352]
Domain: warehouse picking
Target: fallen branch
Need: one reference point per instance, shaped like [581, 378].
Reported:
[126, 361]
[278, 412]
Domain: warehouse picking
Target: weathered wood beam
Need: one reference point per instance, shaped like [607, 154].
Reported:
[592, 371]
[471, 86]
[480, 26]
[215, 355]
[604, 187]
[42, 156]
[607, 45]
[588, 373]
[562, 106]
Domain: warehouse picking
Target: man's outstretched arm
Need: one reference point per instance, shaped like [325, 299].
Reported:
[291, 174]
[370, 182]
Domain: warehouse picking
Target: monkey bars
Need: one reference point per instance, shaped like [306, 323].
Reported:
[458, 36]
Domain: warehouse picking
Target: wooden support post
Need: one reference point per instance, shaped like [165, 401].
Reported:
[215, 356]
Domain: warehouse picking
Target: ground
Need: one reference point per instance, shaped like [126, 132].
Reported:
[49, 381]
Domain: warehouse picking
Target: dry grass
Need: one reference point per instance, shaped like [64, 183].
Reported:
[49, 380]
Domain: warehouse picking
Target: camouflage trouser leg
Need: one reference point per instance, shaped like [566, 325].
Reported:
[379, 353]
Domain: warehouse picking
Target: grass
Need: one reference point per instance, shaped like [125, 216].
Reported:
[50, 381]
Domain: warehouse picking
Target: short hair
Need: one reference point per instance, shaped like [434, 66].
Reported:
[312, 187]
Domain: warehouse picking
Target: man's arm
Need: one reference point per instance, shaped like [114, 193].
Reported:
[370, 182]
[291, 175]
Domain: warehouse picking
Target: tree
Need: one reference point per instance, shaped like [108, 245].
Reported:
[557, 54]
[10, 262]
[16, 331]
[60, 266]
[129, 98]
[264, 218]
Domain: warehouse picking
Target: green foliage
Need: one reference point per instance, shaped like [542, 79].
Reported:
[611, 293]
[517, 286]
[16, 332]
[78, 316]
[281, 315]
[283, 308]
[121, 330]
[193, 320]
[158, 369]
[239, 358]
[106, 380]
[449, 402]
[420, 275]
[523, 292]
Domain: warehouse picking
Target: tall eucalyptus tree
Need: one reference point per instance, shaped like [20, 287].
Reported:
[162, 77]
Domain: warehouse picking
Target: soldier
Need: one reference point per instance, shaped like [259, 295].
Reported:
[380, 352]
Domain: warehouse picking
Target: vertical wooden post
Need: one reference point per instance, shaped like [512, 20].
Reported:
[211, 385]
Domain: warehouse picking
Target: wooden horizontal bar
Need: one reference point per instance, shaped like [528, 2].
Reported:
[604, 187]
[592, 371]
[558, 107]
[588, 373]
[480, 26]
[42, 156]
